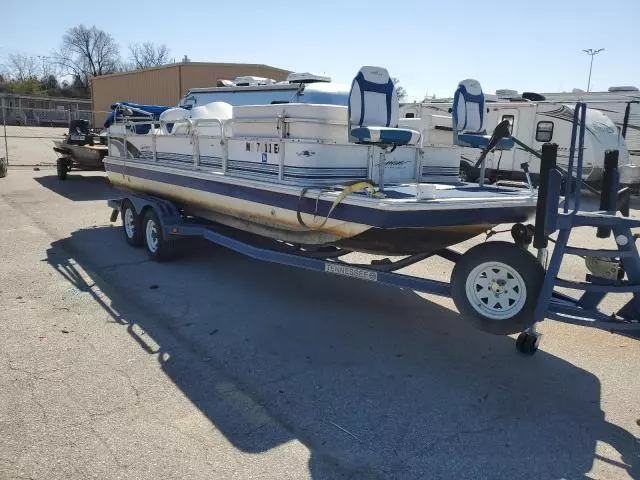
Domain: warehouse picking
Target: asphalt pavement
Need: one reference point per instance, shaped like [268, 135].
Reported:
[218, 366]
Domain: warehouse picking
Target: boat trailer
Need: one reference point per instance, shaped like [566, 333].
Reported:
[158, 224]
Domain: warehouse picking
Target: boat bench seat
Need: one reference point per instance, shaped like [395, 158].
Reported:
[475, 140]
[303, 121]
[395, 136]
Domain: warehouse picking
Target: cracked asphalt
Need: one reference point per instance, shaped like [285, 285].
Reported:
[217, 366]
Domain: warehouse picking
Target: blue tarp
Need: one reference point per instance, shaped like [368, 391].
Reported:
[151, 111]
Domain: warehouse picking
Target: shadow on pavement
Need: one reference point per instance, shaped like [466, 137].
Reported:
[376, 382]
[79, 187]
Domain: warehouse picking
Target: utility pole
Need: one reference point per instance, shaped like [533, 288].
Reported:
[592, 53]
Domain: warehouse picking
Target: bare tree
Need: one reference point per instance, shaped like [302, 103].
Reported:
[147, 55]
[22, 67]
[87, 52]
[400, 90]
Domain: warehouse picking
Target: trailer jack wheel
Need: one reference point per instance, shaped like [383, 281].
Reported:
[527, 343]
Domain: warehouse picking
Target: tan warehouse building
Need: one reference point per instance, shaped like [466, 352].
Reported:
[165, 85]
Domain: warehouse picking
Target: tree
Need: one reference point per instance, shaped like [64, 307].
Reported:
[22, 67]
[87, 52]
[400, 90]
[30, 86]
[147, 55]
[49, 82]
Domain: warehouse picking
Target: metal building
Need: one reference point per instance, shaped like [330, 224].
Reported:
[165, 85]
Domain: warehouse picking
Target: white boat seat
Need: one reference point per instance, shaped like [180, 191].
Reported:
[467, 114]
[219, 111]
[373, 110]
[394, 136]
[168, 118]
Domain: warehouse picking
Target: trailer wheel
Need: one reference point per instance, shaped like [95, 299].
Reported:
[159, 248]
[131, 224]
[62, 168]
[495, 287]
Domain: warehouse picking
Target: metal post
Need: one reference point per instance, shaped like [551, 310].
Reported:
[483, 168]
[154, 146]
[609, 190]
[627, 112]
[590, 69]
[195, 138]
[4, 126]
[547, 163]
[592, 53]
[381, 171]
[578, 188]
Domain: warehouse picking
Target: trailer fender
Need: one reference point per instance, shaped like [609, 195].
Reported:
[167, 213]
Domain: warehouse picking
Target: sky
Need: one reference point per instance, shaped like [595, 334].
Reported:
[430, 46]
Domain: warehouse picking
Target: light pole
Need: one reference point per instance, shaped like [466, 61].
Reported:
[44, 59]
[592, 53]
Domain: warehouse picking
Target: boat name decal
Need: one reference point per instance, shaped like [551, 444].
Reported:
[395, 163]
[347, 271]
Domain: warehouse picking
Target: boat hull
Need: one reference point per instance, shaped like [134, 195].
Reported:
[83, 157]
[396, 225]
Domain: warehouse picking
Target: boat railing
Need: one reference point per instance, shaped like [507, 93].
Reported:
[158, 130]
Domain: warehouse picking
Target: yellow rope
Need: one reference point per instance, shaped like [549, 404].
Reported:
[346, 191]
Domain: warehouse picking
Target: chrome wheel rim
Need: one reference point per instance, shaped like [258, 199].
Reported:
[152, 235]
[496, 290]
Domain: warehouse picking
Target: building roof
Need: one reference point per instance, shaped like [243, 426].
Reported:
[181, 64]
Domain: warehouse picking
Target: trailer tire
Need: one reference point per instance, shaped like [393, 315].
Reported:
[496, 285]
[158, 246]
[131, 224]
[62, 168]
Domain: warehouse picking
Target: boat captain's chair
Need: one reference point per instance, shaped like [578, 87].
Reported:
[373, 111]
[468, 113]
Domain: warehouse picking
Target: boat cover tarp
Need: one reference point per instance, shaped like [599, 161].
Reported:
[152, 111]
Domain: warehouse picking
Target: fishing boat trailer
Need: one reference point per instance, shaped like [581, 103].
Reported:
[500, 287]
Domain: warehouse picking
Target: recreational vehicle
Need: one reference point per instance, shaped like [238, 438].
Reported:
[615, 103]
[535, 123]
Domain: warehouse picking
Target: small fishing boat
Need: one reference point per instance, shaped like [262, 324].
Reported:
[81, 148]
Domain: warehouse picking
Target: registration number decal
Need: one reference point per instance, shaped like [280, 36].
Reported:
[262, 147]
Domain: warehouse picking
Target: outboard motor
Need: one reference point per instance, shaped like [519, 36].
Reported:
[78, 132]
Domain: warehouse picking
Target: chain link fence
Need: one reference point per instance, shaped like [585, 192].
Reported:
[27, 134]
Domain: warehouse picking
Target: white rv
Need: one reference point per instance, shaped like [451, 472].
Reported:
[534, 123]
[613, 104]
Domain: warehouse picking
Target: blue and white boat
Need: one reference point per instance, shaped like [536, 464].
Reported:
[346, 174]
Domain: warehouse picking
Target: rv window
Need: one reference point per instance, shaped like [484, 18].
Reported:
[544, 132]
[510, 119]
[409, 115]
